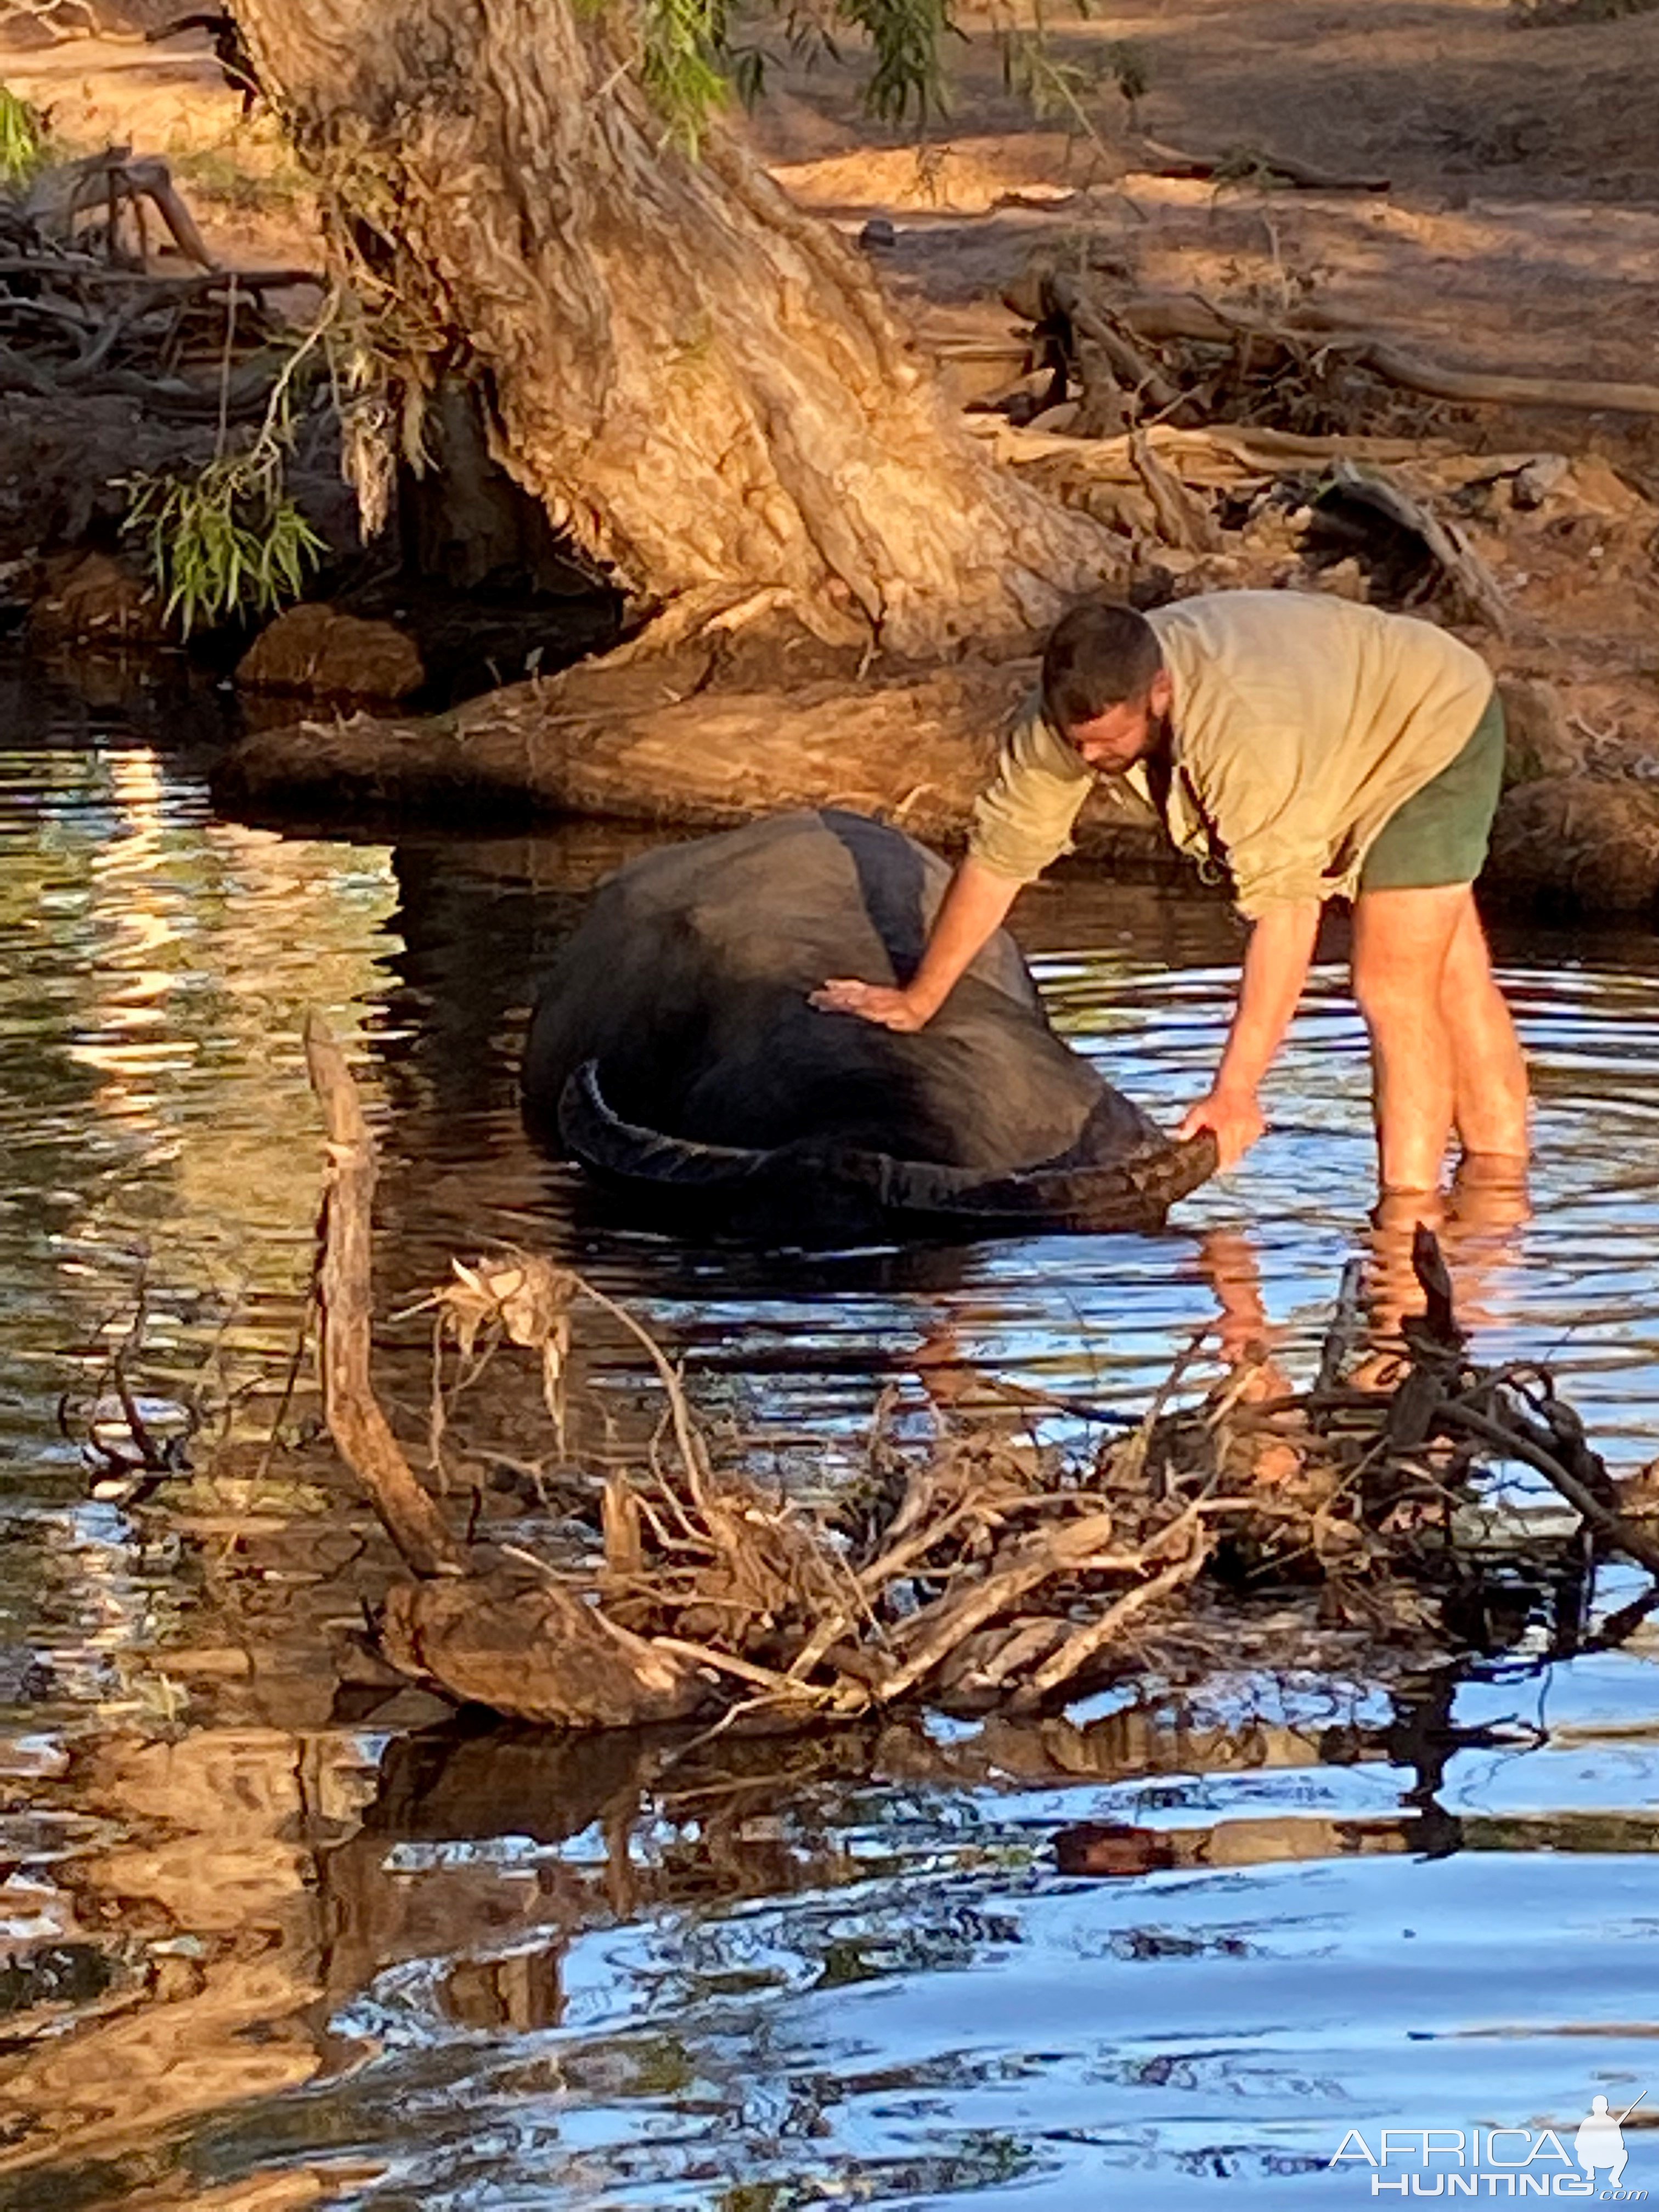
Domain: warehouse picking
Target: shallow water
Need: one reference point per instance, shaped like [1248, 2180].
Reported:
[273, 1944]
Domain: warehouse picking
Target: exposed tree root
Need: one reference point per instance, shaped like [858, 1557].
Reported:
[984, 1573]
[732, 724]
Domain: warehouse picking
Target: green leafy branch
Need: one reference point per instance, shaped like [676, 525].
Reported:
[689, 61]
[689, 64]
[22, 138]
[229, 539]
[1067, 90]
[905, 38]
[683, 46]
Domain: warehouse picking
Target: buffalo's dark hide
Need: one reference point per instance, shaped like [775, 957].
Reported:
[673, 1047]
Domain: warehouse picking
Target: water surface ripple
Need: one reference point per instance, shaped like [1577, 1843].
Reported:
[265, 1948]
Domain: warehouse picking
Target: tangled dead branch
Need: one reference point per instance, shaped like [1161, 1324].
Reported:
[1296, 367]
[987, 1572]
[1232, 447]
[85, 310]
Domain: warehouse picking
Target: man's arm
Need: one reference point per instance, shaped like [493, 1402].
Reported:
[973, 909]
[1021, 822]
[1276, 963]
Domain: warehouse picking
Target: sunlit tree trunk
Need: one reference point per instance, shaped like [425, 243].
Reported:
[702, 384]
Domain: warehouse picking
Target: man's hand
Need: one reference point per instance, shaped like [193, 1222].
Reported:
[1276, 962]
[974, 907]
[1235, 1118]
[872, 1002]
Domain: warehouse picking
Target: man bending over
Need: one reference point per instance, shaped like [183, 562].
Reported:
[1316, 750]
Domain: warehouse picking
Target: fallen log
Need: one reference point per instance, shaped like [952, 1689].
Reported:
[1245, 165]
[1163, 318]
[650, 747]
[643, 740]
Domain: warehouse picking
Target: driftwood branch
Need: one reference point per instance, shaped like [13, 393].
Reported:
[1163, 318]
[1084, 1644]
[345, 1304]
[1245, 165]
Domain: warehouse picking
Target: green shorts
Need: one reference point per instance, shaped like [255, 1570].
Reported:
[1441, 832]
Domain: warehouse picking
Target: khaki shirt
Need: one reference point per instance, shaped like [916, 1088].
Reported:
[1300, 724]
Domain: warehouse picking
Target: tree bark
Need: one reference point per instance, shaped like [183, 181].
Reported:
[702, 384]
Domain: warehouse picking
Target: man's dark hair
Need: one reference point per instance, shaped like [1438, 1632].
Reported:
[1097, 656]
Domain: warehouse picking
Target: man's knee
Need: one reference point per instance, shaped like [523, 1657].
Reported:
[1402, 946]
[1392, 992]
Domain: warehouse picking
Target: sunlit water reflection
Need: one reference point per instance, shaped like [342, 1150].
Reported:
[261, 1957]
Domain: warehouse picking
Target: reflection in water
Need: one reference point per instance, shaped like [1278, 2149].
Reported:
[1475, 1222]
[461, 1965]
[279, 1934]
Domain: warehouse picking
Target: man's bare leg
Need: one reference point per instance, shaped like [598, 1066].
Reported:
[1402, 942]
[1489, 1068]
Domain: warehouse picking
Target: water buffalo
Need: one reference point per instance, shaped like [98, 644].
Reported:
[673, 1053]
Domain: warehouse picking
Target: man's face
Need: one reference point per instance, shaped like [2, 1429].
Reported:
[1116, 740]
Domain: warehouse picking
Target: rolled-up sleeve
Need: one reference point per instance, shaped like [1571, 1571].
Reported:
[1023, 820]
[1292, 880]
